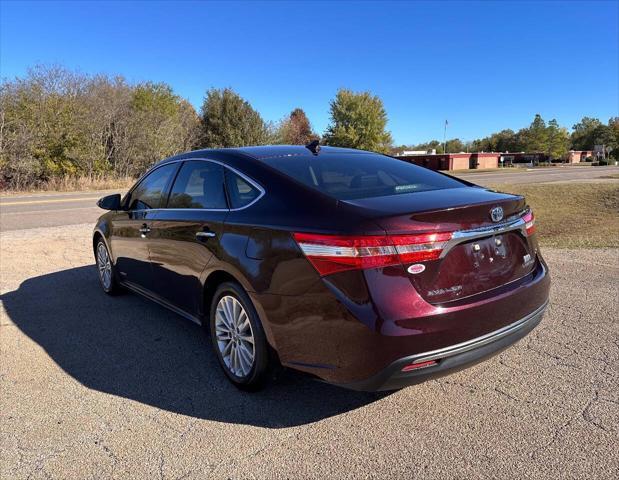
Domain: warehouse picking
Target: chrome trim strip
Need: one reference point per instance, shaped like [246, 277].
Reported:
[239, 173]
[478, 342]
[155, 298]
[461, 236]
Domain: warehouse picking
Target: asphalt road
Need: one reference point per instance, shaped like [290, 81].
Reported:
[540, 175]
[93, 386]
[49, 209]
[46, 210]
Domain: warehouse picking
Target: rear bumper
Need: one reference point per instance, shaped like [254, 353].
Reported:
[449, 359]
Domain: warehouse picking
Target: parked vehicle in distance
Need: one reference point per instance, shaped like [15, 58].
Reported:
[363, 270]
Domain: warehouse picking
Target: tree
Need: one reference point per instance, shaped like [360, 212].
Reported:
[608, 136]
[583, 134]
[160, 126]
[613, 126]
[536, 136]
[358, 120]
[229, 121]
[58, 123]
[295, 129]
[454, 145]
[558, 140]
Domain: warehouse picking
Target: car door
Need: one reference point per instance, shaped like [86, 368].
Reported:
[131, 226]
[186, 234]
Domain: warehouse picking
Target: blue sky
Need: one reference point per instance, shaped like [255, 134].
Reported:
[484, 66]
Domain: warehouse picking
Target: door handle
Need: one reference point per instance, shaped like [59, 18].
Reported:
[144, 230]
[207, 234]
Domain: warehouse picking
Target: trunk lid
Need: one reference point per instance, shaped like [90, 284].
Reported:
[485, 252]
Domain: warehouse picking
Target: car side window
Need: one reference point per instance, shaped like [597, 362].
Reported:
[240, 192]
[199, 184]
[148, 194]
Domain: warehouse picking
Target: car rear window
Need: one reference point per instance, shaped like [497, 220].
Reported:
[351, 177]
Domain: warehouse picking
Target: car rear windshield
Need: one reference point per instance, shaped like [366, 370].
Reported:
[355, 176]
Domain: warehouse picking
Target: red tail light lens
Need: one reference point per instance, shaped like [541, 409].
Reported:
[415, 366]
[333, 253]
[529, 220]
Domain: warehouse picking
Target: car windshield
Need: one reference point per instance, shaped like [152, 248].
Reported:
[355, 176]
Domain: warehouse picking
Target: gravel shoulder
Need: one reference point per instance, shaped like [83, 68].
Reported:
[93, 386]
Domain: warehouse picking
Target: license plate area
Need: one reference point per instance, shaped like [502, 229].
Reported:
[475, 266]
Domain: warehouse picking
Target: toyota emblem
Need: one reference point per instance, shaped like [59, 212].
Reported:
[496, 214]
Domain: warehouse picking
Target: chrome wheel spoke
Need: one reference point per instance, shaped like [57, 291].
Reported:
[234, 336]
[226, 350]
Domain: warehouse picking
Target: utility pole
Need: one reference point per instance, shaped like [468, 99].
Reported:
[444, 137]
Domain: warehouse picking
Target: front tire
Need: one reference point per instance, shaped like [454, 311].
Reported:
[237, 336]
[107, 276]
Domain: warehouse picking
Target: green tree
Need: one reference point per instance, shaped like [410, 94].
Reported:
[160, 125]
[358, 120]
[608, 136]
[454, 145]
[536, 136]
[583, 133]
[613, 126]
[229, 121]
[59, 123]
[558, 140]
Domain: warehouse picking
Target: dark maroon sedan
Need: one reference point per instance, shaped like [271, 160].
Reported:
[363, 270]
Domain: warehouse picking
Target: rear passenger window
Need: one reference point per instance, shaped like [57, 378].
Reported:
[240, 191]
[199, 184]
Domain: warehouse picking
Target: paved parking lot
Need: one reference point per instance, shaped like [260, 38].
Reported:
[100, 387]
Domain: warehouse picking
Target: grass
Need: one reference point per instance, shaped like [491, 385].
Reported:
[77, 184]
[575, 215]
[482, 170]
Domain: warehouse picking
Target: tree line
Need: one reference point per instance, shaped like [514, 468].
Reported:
[539, 137]
[55, 123]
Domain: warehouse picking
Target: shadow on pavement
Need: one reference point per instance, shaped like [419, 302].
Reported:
[130, 347]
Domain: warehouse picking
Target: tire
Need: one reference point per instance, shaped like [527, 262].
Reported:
[105, 269]
[245, 364]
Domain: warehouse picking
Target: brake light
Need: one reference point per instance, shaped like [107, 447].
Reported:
[529, 222]
[333, 253]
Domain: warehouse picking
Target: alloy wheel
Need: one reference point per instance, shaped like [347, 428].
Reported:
[104, 265]
[235, 337]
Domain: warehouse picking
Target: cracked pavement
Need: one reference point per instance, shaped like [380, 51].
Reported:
[100, 387]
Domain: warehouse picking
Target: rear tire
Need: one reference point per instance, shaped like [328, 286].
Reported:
[105, 268]
[237, 336]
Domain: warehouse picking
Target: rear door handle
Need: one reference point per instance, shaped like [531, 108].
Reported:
[200, 235]
[144, 230]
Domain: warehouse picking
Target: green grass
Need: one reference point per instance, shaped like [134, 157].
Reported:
[575, 215]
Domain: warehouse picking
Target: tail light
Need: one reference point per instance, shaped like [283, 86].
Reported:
[529, 222]
[333, 253]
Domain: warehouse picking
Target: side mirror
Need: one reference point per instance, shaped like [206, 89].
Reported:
[111, 202]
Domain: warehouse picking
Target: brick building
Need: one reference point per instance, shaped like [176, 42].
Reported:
[577, 156]
[454, 161]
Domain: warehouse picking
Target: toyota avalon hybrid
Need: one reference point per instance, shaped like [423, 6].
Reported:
[360, 269]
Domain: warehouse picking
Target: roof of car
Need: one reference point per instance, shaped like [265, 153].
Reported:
[264, 152]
